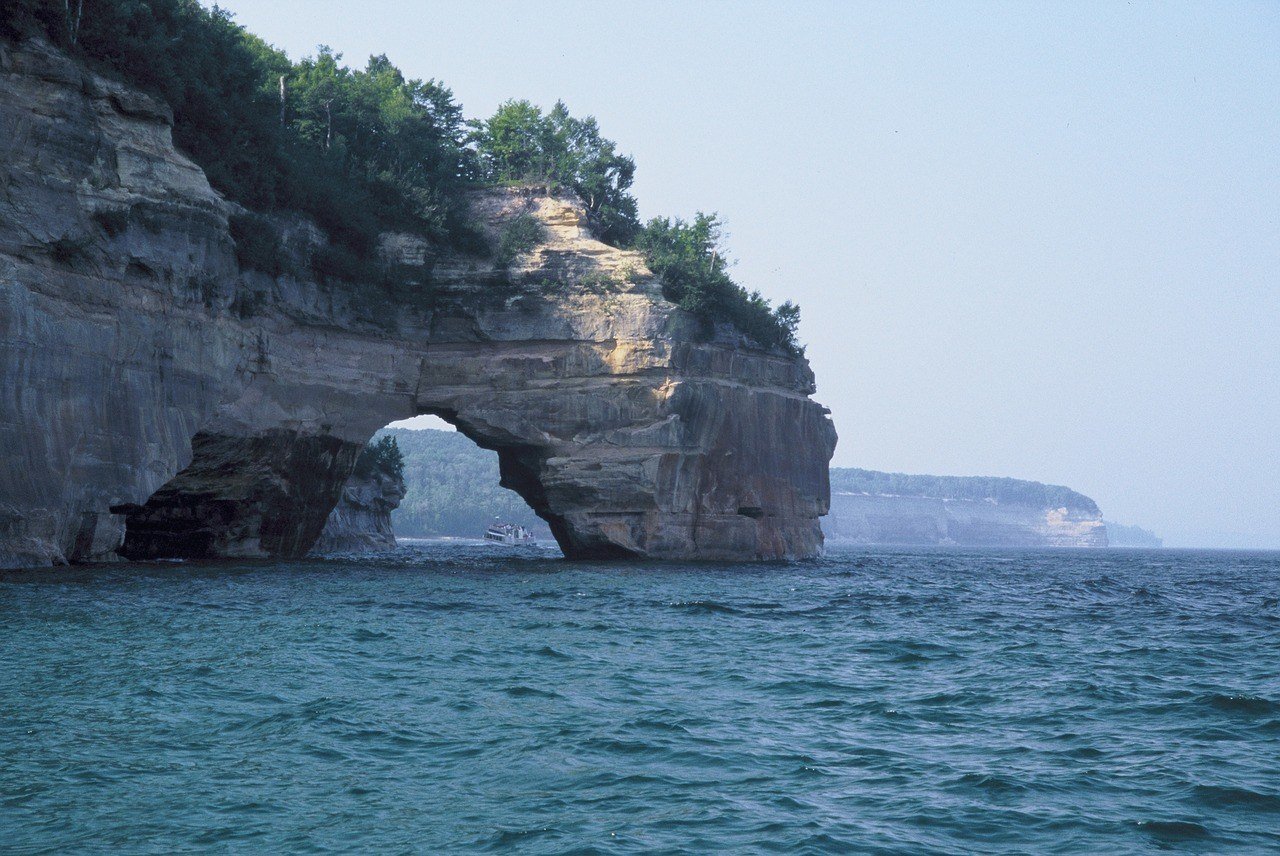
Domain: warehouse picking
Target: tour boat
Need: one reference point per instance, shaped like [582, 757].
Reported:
[508, 533]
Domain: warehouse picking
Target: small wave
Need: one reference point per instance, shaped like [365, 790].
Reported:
[705, 607]
[522, 691]
[963, 698]
[1142, 594]
[763, 605]
[1173, 830]
[517, 838]
[909, 650]
[428, 606]
[907, 658]
[1241, 703]
[1086, 753]
[1228, 797]
[552, 653]
[649, 724]
[809, 685]
[989, 783]
[621, 747]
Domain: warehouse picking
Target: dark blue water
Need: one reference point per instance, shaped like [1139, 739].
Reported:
[459, 699]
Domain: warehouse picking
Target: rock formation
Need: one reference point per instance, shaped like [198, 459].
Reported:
[869, 507]
[361, 521]
[161, 400]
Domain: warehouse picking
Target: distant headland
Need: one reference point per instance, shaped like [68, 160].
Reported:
[450, 489]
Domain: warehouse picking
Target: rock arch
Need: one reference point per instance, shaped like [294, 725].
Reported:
[150, 382]
[644, 461]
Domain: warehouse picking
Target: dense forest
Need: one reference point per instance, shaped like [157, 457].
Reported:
[365, 150]
[451, 487]
[381, 455]
[1002, 490]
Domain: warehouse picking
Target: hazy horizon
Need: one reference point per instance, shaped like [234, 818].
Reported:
[1027, 241]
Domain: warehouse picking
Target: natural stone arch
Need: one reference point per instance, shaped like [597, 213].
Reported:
[218, 411]
[620, 463]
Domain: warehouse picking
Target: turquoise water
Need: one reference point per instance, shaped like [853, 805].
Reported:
[446, 699]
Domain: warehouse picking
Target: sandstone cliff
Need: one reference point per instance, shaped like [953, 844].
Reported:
[160, 401]
[869, 507]
[361, 520]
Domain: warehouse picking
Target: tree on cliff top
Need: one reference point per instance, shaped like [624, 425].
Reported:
[401, 139]
[364, 151]
[359, 151]
[690, 259]
[519, 143]
[381, 456]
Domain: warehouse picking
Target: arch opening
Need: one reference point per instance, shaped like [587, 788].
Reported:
[285, 493]
[431, 481]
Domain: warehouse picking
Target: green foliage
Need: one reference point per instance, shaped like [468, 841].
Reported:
[519, 236]
[359, 151]
[335, 262]
[381, 456]
[257, 243]
[451, 487]
[599, 282]
[521, 144]
[398, 141]
[979, 488]
[690, 260]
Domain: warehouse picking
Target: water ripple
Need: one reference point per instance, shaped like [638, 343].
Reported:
[448, 698]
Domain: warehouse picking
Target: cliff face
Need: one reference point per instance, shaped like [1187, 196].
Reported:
[156, 396]
[362, 518]
[858, 518]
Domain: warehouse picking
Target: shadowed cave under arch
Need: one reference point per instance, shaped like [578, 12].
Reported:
[270, 495]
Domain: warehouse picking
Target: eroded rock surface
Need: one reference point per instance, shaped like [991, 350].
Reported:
[149, 383]
[361, 521]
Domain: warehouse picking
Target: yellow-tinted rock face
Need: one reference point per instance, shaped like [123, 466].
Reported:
[150, 384]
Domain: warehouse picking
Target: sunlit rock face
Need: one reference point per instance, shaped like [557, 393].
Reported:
[151, 385]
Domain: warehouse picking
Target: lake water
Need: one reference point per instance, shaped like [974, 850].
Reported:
[451, 698]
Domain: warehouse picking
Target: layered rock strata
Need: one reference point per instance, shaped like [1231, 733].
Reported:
[160, 400]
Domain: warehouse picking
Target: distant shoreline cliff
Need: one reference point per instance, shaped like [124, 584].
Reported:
[452, 490]
[875, 508]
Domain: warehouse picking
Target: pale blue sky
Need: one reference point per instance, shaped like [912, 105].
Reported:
[1028, 239]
